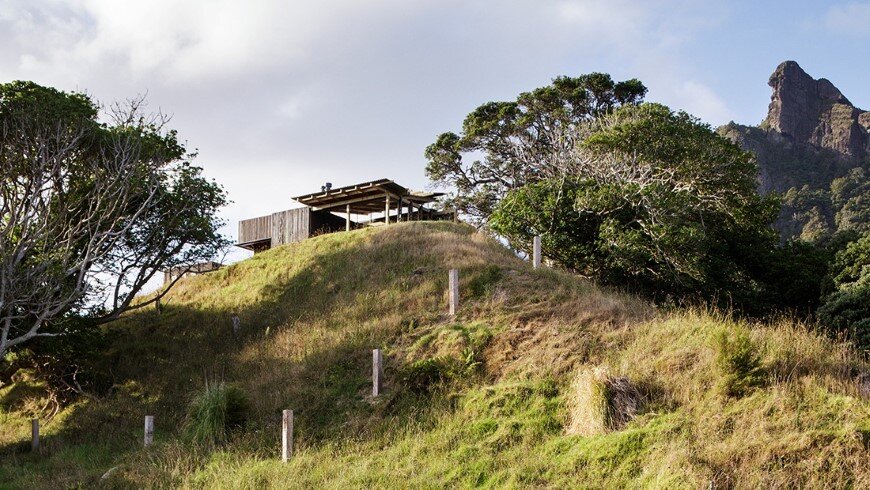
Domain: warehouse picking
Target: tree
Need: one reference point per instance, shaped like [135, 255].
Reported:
[847, 309]
[91, 211]
[510, 144]
[652, 200]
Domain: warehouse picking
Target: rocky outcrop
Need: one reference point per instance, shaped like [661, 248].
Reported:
[814, 113]
[809, 148]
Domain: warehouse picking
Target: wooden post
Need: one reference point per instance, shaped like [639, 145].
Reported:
[377, 372]
[387, 211]
[453, 291]
[536, 252]
[149, 430]
[34, 435]
[347, 219]
[287, 435]
[399, 211]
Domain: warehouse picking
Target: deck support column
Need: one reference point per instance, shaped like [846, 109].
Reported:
[399, 211]
[347, 219]
[387, 211]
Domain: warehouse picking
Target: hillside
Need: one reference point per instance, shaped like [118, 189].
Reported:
[542, 379]
[814, 148]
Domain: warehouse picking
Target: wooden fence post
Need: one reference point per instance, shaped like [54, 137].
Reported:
[34, 435]
[377, 372]
[536, 252]
[149, 430]
[287, 435]
[453, 291]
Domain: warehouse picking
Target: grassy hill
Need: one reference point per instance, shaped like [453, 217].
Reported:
[542, 379]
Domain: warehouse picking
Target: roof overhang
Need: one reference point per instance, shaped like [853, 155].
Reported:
[367, 197]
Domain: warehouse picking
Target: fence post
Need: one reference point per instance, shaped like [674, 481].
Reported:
[149, 430]
[536, 252]
[34, 435]
[377, 372]
[237, 326]
[287, 435]
[453, 291]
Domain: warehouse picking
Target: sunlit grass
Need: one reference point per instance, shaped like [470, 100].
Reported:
[498, 415]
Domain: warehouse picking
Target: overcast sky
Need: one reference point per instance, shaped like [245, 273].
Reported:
[282, 96]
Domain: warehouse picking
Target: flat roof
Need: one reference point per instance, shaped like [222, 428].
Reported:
[366, 197]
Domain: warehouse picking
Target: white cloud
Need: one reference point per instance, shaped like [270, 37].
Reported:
[184, 41]
[852, 19]
[700, 100]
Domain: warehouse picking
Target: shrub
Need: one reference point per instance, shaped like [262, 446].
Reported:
[848, 312]
[214, 412]
[737, 362]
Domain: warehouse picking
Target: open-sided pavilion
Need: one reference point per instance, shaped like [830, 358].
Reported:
[378, 202]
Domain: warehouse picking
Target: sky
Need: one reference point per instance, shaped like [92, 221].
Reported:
[281, 96]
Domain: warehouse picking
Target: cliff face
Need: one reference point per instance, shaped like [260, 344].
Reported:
[815, 113]
[814, 148]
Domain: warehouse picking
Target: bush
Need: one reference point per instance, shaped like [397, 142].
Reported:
[737, 362]
[214, 412]
[848, 312]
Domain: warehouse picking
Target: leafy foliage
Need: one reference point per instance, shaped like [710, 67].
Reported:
[847, 310]
[516, 138]
[738, 362]
[91, 211]
[652, 200]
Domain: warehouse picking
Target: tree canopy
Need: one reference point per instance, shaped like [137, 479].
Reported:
[649, 199]
[505, 145]
[91, 209]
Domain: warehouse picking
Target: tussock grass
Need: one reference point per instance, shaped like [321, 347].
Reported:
[600, 403]
[214, 412]
[503, 399]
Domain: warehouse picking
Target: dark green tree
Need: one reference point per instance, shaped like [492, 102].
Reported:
[847, 309]
[505, 145]
[654, 201]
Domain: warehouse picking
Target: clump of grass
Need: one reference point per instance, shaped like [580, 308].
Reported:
[484, 281]
[601, 403]
[737, 361]
[214, 412]
[425, 375]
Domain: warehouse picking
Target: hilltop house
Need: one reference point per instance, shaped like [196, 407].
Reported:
[378, 202]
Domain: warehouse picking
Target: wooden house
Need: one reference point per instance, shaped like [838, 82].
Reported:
[378, 202]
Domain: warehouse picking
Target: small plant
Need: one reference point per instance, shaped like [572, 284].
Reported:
[738, 362]
[214, 412]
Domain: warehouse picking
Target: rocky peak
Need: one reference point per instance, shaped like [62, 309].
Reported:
[810, 112]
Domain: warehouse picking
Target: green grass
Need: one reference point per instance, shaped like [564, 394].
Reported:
[498, 399]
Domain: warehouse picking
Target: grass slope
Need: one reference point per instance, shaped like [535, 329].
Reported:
[483, 399]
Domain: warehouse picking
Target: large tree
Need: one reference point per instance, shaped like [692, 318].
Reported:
[649, 199]
[505, 145]
[91, 210]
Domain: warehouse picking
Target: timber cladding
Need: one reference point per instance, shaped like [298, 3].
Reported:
[293, 225]
[255, 229]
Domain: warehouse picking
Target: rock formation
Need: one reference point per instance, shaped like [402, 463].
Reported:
[813, 144]
[815, 113]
